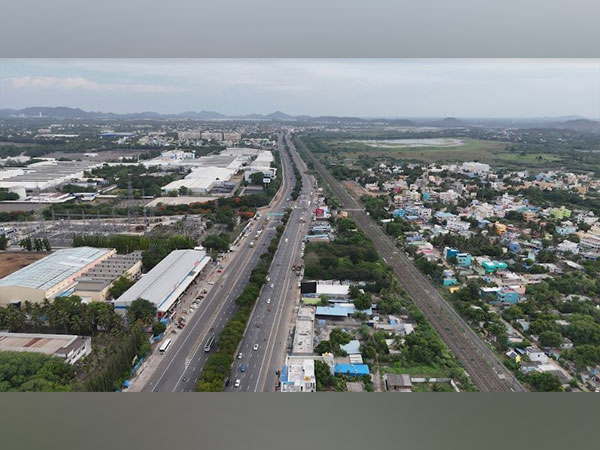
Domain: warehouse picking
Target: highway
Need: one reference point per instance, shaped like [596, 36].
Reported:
[269, 324]
[480, 362]
[182, 363]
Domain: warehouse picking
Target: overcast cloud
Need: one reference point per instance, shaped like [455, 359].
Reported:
[351, 87]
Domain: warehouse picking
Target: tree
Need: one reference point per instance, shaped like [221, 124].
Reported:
[324, 300]
[257, 178]
[3, 241]
[141, 310]
[120, 285]
[158, 328]
[545, 382]
[26, 244]
[550, 338]
[362, 302]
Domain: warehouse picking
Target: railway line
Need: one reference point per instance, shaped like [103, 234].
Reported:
[480, 362]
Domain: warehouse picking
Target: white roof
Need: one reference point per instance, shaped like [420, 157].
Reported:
[332, 289]
[54, 268]
[167, 280]
[202, 178]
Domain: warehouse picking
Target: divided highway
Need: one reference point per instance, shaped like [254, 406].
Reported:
[182, 364]
[263, 347]
[484, 367]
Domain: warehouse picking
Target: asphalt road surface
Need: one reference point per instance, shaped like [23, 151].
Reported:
[264, 344]
[182, 363]
[484, 367]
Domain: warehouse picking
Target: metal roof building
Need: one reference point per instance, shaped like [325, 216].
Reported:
[69, 347]
[165, 283]
[50, 276]
[351, 369]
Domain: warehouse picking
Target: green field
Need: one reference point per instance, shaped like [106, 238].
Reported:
[489, 152]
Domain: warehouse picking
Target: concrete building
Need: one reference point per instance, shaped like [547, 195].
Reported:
[50, 276]
[298, 376]
[69, 347]
[96, 282]
[167, 281]
[397, 383]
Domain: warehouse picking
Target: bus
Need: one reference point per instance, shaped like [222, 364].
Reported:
[165, 345]
[209, 344]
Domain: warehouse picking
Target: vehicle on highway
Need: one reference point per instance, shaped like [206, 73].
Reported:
[227, 381]
[219, 271]
[181, 325]
[209, 344]
[237, 383]
[272, 285]
[165, 345]
[286, 239]
[174, 331]
[243, 367]
[255, 347]
[268, 301]
[268, 278]
[240, 355]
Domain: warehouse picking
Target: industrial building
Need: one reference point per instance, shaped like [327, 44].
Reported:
[47, 174]
[202, 180]
[50, 276]
[96, 282]
[69, 347]
[167, 281]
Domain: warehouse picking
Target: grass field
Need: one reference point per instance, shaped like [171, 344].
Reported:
[490, 152]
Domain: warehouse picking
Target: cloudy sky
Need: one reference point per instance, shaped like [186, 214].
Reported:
[357, 87]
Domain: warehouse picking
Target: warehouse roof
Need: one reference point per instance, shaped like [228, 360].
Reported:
[54, 268]
[167, 280]
[202, 178]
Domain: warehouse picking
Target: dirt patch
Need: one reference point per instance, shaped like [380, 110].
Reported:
[12, 261]
[359, 190]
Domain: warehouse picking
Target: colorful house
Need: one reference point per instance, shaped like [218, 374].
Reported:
[463, 259]
[450, 281]
[506, 296]
[493, 266]
[500, 228]
[399, 213]
[451, 252]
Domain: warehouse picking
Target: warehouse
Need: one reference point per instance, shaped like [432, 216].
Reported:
[167, 281]
[48, 174]
[69, 347]
[50, 276]
[202, 180]
[96, 282]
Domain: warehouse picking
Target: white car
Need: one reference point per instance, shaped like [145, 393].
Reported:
[255, 347]
[268, 301]
[237, 383]
[240, 355]
[272, 285]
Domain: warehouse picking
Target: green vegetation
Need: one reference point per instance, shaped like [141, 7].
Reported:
[120, 285]
[337, 337]
[115, 345]
[34, 372]
[35, 245]
[351, 256]
[217, 242]
[6, 195]
[141, 311]
[155, 248]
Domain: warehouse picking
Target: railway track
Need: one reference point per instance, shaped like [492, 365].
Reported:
[480, 362]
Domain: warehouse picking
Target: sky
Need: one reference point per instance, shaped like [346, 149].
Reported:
[345, 87]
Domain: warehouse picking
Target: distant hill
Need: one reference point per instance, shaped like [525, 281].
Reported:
[448, 122]
[579, 125]
[278, 115]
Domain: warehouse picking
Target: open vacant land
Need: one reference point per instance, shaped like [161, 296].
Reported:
[438, 150]
[12, 261]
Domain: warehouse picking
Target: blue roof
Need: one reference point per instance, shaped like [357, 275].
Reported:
[283, 377]
[351, 369]
[339, 311]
